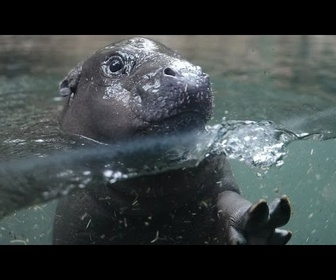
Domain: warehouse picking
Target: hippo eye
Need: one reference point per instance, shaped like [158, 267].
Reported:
[116, 64]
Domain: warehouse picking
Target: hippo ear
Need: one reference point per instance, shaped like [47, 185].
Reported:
[69, 84]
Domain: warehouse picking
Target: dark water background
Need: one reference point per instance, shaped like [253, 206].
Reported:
[286, 79]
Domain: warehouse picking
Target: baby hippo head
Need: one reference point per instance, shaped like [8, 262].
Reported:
[135, 87]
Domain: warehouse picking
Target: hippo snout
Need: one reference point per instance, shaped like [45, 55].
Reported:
[179, 87]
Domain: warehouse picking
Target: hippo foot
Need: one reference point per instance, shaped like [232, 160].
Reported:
[244, 223]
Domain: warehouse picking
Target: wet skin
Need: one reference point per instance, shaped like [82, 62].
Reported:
[137, 88]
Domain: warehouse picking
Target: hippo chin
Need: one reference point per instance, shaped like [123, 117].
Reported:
[138, 88]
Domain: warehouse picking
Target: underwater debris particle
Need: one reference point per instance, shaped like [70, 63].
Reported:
[84, 216]
[156, 237]
[24, 242]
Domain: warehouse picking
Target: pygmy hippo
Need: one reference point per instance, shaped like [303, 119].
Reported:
[139, 87]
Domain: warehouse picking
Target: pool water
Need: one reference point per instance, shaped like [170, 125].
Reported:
[285, 79]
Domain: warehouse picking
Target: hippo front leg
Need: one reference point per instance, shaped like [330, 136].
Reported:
[244, 223]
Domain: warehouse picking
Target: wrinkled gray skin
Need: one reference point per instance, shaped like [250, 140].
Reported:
[139, 87]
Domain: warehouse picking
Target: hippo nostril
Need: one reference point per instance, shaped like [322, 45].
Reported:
[168, 71]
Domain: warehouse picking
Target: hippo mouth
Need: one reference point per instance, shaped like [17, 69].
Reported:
[174, 108]
[180, 122]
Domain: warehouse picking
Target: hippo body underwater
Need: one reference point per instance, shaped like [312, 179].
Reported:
[136, 88]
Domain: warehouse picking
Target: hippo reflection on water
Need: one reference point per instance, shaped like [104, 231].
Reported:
[137, 88]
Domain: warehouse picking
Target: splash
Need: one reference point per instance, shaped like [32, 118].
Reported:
[35, 180]
[261, 144]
